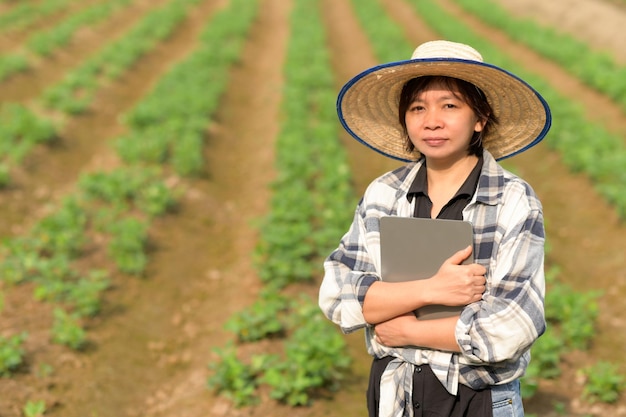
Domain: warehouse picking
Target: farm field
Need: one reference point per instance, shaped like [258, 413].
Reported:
[150, 342]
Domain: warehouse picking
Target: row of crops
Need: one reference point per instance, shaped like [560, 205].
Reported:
[23, 15]
[43, 43]
[312, 202]
[309, 209]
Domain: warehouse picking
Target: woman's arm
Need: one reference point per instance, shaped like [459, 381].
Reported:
[407, 330]
[346, 268]
[453, 285]
[510, 317]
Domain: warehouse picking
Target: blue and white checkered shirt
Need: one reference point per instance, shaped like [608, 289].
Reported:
[494, 334]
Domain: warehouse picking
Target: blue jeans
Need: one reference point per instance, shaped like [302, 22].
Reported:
[507, 400]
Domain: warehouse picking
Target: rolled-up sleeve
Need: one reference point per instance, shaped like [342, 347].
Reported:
[510, 317]
[348, 273]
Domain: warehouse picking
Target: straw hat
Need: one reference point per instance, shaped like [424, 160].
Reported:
[368, 104]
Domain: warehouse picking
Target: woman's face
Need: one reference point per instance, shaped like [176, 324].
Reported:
[440, 124]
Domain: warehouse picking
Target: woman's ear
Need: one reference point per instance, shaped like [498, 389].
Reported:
[480, 125]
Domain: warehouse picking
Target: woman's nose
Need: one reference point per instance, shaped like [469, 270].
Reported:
[432, 119]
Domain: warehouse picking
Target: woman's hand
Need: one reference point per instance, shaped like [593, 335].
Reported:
[455, 284]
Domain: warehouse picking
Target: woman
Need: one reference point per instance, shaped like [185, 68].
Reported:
[449, 116]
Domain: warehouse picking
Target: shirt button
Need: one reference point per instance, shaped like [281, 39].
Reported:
[416, 405]
[418, 369]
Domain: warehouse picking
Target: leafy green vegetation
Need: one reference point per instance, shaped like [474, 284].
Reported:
[46, 42]
[130, 187]
[74, 94]
[129, 237]
[20, 131]
[67, 330]
[34, 408]
[263, 319]
[169, 125]
[11, 353]
[603, 382]
[233, 377]
[314, 359]
[26, 13]
[11, 64]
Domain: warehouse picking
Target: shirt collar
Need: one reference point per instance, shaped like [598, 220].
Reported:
[420, 183]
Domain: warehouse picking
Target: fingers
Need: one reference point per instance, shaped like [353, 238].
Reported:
[460, 256]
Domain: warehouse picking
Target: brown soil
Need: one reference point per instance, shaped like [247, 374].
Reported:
[150, 348]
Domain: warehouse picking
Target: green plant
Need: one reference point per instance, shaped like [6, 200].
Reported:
[127, 245]
[602, 382]
[314, 358]
[559, 408]
[170, 125]
[262, 319]
[155, 198]
[44, 370]
[67, 330]
[11, 64]
[576, 313]
[11, 353]
[34, 408]
[127, 187]
[5, 176]
[20, 260]
[233, 378]
[61, 232]
[82, 294]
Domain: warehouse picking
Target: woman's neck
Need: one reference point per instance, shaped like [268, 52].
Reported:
[445, 180]
[450, 173]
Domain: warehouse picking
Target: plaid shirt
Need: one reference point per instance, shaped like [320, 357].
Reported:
[494, 334]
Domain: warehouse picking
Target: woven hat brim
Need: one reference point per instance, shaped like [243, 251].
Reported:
[368, 105]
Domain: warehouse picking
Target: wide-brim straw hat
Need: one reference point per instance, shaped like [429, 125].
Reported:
[368, 104]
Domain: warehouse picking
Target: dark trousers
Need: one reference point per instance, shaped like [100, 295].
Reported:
[429, 397]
